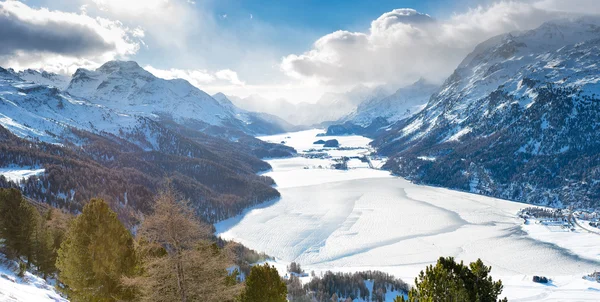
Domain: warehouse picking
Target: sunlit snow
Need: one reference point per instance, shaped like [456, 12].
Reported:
[361, 219]
[18, 173]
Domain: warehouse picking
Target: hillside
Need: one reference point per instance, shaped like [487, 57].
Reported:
[87, 149]
[518, 119]
[374, 114]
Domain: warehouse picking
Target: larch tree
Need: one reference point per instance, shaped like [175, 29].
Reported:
[96, 253]
[178, 262]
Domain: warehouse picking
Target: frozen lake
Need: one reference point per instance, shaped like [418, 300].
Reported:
[362, 218]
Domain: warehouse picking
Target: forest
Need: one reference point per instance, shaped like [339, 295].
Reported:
[219, 177]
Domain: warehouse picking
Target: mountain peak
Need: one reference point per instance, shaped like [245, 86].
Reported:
[114, 66]
[219, 95]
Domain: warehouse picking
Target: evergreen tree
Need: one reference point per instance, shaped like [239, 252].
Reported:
[10, 220]
[96, 253]
[264, 285]
[451, 281]
[45, 247]
[18, 222]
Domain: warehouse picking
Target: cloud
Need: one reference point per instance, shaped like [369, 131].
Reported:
[403, 45]
[229, 75]
[198, 77]
[165, 22]
[56, 40]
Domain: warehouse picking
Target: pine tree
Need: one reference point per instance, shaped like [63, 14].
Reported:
[18, 222]
[451, 281]
[264, 285]
[45, 251]
[96, 253]
[30, 219]
[10, 221]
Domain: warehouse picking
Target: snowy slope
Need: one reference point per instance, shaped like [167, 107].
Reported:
[36, 111]
[16, 174]
[518, 119]
[126, 87]
[45, 78]
[26, 289]
[404, 103]
[259, 122]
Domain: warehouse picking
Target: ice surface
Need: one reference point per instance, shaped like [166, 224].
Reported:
[363, 219]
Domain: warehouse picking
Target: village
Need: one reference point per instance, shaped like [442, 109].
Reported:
[563, 220]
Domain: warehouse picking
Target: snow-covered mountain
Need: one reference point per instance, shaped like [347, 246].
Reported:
[45, 78]
[375, 114]
[127, 87]
[519, 119]
[40, 112]
[404, 103]
[258, 122]
[330, 106]
[123, 149]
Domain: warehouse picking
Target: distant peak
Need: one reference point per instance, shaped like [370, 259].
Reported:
[113, 66]
[421, 81]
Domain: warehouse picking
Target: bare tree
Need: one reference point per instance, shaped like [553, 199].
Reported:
[179, 263]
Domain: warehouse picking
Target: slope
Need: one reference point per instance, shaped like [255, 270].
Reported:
[518, 119]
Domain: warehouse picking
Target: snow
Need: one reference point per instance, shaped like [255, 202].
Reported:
[579, 241]
[18, 173]
[303, 141]
[26, 289]
[459, 134]
[404, 103]
[126, 87]
[364, 219]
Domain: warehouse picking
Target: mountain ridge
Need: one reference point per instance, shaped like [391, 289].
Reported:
[517, 119]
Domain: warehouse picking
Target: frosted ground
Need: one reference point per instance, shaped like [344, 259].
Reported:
[29, 288]
[363, 219]
[17, 174]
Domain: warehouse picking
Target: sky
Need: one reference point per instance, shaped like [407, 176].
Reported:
[294, 50]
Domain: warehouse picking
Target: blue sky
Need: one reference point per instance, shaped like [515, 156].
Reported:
[279, 49]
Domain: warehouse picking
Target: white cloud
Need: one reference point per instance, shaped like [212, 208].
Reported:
[229, 75]
[168, 22]
[403, 45]
[59, 41]
[199, 77]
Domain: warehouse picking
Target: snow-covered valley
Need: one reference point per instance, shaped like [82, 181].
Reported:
[362, 218]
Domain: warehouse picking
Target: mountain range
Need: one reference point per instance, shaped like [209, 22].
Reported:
[330, 107]
[518, 119]
[121, 133]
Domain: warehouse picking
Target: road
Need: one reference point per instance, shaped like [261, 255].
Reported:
[574, 220]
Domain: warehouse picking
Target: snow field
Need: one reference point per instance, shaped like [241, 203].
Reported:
[18, 173]
[365, 219]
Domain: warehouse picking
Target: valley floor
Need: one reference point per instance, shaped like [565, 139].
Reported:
[363, 219]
